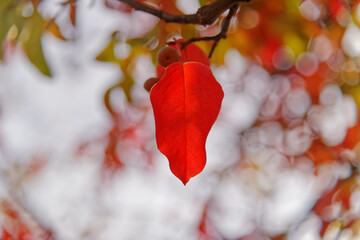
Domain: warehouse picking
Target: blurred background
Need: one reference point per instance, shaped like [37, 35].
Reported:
[78, 155]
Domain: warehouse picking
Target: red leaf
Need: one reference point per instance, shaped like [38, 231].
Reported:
[111, 160]
[335, 7]
[72, 13]
[191, 53]
[321, 154]
[186, 102]
[206, 229]
[352, 137]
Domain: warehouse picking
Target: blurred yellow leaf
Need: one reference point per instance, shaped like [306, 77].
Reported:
[107, 55]
[126, 85]
[54, 29]
[220, 52]
[354, 91]
[293, 41]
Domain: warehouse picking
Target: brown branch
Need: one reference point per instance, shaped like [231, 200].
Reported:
[205, 15]
[209, 13]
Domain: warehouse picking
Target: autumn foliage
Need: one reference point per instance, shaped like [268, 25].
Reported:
[277, 80]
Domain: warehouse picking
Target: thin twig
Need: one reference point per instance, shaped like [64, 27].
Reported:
[205, 15]
[216, 38]
[224, 28]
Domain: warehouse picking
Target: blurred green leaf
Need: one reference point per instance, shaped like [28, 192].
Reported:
[29, 30]
[30, 37]
[135, 42]
[7, 17]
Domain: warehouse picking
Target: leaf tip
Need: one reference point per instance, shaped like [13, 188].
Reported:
[184, 181]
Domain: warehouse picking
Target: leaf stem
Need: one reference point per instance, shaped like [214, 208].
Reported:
[216, 38]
